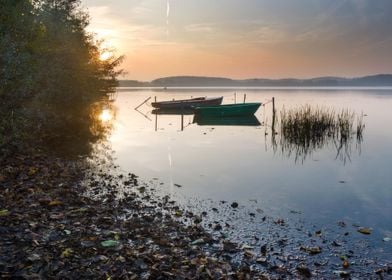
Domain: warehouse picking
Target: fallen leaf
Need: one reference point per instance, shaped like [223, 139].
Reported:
[55, 203]
[4, 212]
[66, 253]
[198, 241]
[365, 230]
[110, 243]
[32, 171]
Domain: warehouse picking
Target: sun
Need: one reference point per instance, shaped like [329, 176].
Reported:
[105, 55]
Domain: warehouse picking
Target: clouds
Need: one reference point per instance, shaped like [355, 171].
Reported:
[296, 35]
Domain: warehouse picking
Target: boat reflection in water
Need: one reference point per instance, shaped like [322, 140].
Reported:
[227, 121]
[249, 120]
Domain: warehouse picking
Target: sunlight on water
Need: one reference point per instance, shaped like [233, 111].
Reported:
[106, 115]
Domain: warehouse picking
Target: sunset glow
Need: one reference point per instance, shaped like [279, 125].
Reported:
[246, 39]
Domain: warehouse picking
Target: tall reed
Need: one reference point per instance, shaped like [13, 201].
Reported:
[307, 128]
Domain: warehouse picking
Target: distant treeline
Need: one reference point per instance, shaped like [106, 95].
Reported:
[51, 74]
[191, 81]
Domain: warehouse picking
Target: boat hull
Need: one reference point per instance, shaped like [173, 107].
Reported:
[173, 111]
[232, 110]
[188, 103]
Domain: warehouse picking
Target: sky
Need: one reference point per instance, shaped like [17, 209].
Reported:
[246, 38]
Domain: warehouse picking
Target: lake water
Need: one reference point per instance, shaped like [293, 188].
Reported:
[246, 164]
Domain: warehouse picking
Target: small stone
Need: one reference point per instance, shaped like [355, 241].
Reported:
[304, 270]
[246, 247]
[218, 227]
[234, 205]
[263, 250]
[230, 247]
[336, 244]
[34, 257]
[341, 224]
[249, 254]
[341, 273]
[311, 250]
[261, 260]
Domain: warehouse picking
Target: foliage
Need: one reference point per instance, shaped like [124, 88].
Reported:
[51, 74]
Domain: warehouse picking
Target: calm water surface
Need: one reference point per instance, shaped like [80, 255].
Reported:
[241, 163]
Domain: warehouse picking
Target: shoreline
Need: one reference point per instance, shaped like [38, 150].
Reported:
[50, 228]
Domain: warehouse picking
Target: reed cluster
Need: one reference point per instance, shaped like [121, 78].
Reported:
[306, 129]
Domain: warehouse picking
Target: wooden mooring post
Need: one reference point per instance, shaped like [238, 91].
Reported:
[244, 97]
[182, 122]
[156, 122]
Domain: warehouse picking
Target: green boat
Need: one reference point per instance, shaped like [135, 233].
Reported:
[231, 110]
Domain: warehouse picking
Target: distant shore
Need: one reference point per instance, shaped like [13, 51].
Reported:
[381, 80]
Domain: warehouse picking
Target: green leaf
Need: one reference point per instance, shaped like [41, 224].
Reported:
[110, 243]
[4, 212]
[365, 230]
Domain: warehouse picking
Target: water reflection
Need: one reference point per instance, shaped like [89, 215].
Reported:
[204, 121]
[103, 115]
[106, 115]
[93, 129]
[238, 163]
[227, 121]
[297, 133]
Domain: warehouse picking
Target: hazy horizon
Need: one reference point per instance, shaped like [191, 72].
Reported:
[251, 78]
[246, 39]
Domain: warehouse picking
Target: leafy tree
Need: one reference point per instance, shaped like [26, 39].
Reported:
[51, 73]
[17, 42]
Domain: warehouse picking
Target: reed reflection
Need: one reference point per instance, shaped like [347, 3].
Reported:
[307, 129]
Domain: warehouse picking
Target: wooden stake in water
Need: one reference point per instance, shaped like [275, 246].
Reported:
[182, 122]
[156, 122]
[273, 105]
[235, 98]
[244, 97]
[273, 115]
